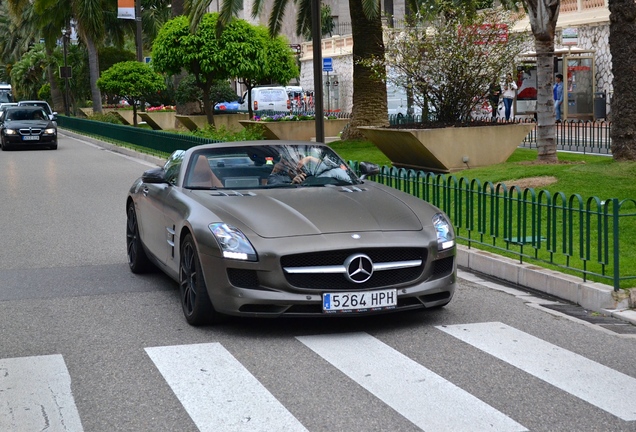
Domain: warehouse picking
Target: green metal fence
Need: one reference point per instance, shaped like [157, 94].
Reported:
[579, 236]
[157, 141]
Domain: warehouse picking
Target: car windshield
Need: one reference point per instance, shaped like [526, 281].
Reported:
[267, 166]
[42, 105]
[18, 114]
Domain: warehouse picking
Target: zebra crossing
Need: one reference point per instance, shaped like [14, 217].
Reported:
[219, 393]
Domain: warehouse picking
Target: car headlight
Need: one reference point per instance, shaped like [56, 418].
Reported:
[10, 132]
[444, 230]
[49, 131]
[233, 242]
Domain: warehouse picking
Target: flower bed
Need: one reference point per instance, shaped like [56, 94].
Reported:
[288, 117]
[162, 108]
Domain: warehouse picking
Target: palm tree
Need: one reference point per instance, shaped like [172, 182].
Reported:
[543, 15]
[622, 40]
[369, 90]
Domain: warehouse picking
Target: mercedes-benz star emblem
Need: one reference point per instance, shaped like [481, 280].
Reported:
[359, 268]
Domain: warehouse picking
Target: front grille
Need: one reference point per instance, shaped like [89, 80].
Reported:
[30, 131]
[339, 282]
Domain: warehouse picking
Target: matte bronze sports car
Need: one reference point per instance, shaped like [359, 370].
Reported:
[278, 228]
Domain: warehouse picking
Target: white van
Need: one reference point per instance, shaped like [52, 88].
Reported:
[266, 98]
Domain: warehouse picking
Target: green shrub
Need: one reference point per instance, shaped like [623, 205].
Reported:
[222, 134]
[106, 118]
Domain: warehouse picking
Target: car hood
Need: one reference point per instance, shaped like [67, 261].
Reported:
[19, 124]
[275, 213]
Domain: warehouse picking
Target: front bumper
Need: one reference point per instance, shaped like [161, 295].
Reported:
[261, 289]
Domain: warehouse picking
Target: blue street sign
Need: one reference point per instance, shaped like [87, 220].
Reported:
[327, 65]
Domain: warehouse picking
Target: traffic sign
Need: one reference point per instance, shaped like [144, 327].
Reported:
[327, 65]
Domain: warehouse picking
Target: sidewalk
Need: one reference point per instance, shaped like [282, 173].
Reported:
[593, 296]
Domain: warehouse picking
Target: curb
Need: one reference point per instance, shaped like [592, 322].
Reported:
[593, 296]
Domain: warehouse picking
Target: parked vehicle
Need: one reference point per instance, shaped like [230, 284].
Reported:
[267, 99]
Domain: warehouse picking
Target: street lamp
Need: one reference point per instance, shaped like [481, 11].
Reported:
[66, 74]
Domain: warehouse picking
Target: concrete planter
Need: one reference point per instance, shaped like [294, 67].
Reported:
[448, 149]
[303, 130]
[230, 122]
[126, 116]
[159, 120]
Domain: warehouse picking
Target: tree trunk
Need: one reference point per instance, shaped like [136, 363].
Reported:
[57, 97]
[543, 16]
[622, 41]
[93, 65]
[546, 130]
[369, 92]
[176, 8]
[207, 104]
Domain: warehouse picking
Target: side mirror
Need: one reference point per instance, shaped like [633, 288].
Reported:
[155, 175]
[368, 169]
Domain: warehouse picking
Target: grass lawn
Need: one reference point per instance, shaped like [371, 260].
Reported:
[576, 174]
[586, 175]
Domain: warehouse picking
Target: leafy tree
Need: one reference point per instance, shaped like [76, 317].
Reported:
[369, 91]
[253, 57]
[176, 48]
[132, 81]
[622, 41]
[28, 75]
[240, 50]
[187, 91]
[450, 69]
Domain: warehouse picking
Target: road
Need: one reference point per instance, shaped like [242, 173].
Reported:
[86, 345]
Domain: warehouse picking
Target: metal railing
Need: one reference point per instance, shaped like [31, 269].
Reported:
[578, 136]
[571, 135]
[139, 138]
[575, 235]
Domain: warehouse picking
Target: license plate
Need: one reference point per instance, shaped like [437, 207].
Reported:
[367, 301]
[31, 138]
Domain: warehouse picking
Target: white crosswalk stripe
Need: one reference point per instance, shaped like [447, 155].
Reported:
[420, 395]
[35, 395]
[218, 392]
[592, 382]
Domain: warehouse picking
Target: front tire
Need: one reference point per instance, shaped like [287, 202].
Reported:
[137, 258]
[195, 301]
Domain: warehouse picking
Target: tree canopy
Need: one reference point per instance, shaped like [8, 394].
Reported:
[131, 80]
[241, 50]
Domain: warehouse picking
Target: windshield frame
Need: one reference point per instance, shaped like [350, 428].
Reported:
[267, 166]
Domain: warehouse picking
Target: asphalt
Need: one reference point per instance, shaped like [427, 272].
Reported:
[601, 299]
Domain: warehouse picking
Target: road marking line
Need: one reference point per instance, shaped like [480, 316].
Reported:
[423, 397]
[609, 390]
[35, 394]
[218, 392]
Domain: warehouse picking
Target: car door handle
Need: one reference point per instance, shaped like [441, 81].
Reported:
[144, 191]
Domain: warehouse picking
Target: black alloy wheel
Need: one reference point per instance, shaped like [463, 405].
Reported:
[137, 258]
[195, 301]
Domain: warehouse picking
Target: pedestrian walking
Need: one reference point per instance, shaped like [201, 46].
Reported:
[558, 96]
[494, 91]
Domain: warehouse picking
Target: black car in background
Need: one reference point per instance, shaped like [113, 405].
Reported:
[27, 126]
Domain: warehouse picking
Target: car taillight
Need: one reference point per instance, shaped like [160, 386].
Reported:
[288, 104]
[255, 105]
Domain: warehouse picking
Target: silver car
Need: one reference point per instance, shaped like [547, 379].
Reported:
[275, 228]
